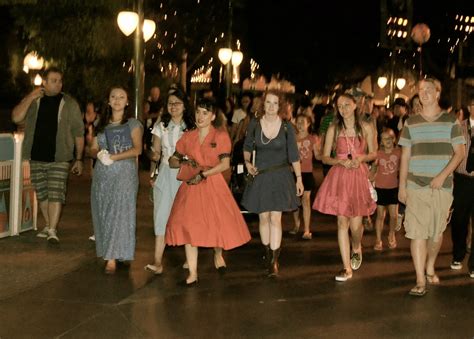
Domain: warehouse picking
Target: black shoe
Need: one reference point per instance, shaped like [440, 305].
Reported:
[267, 257]
[274, 265]
[222, 270]
[184, 283]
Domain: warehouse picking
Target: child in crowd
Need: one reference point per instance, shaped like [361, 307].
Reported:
[385, 173]
[309, 148]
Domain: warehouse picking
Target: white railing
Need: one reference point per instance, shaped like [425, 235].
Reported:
[18, 205]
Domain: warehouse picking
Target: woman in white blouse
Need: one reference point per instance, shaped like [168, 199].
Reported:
[177, 118]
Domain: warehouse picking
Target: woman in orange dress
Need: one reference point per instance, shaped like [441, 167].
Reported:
[204, 212]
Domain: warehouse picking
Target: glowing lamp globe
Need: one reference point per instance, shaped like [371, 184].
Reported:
[127, 22]
[225, 55]
[33, 61]
[420, 33]
[237, 57]
[149, 27]
[400, 83]
[38, 80]
[382, 82]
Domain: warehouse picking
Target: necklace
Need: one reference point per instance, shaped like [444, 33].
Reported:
[269, 139]
[350, 145]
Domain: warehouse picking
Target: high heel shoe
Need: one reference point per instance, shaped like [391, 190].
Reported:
[221, 269]
[185, 283]
[154, 269]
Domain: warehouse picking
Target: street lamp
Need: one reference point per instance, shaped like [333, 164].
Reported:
[128, 22]
[225, 55]
[32, 62]
[382, 82]
[400, 83]
[38, 80]
[144, 29]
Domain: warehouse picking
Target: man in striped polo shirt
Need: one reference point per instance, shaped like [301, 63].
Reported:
[432, 147]
[464, 197]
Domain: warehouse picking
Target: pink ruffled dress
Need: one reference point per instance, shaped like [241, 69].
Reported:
[344, 191]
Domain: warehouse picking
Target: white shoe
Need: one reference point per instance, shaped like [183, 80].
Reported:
[92, 237]
[43, 233]
[52, 237]
[356, 260]
[343, 276]
[456, 265]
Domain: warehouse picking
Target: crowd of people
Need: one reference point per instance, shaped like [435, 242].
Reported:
[414, 160]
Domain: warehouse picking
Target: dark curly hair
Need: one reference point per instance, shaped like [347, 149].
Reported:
[188, 114]
[209, 104]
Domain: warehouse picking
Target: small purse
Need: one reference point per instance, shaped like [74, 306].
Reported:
[372, 191]
[187, 171]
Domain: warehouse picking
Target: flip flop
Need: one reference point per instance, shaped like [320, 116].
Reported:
[432, 279]
[418, 291]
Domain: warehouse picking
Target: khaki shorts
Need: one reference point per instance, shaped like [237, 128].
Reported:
[50, 180]
[427, 212]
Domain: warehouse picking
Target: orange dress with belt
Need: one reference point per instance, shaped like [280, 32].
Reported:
[206, 214]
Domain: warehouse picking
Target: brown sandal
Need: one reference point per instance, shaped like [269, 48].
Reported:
[418, 291]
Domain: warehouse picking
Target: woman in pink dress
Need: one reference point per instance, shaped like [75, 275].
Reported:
[345, 191]
[204, 212]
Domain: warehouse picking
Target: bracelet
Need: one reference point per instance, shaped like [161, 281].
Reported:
[201, 174]
[81, 160]
[298, 176]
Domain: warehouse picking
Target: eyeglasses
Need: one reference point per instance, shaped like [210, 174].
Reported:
[175, 103]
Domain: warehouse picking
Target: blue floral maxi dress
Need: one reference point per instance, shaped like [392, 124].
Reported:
[114, 195]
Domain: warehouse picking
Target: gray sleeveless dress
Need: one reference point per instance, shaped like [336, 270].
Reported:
[274, 190]
[114, 195]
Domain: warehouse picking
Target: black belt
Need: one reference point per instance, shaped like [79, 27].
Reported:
[272, 168]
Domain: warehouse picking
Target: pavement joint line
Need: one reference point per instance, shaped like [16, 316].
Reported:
[81, 323]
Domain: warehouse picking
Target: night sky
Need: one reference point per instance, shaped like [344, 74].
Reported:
[315, 42]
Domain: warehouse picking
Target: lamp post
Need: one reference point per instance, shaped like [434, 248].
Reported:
[231, 60]
[144, 29]
[398, 83]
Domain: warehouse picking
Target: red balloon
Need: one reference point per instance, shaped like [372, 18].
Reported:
[420, 33]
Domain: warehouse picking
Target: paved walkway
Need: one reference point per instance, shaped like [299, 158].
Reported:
[61, 291]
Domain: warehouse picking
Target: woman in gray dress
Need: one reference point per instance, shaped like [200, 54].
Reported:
[115, 181]
[273, 190]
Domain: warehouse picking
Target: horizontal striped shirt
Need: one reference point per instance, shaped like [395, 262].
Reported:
[467, 132]
[431, 144]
